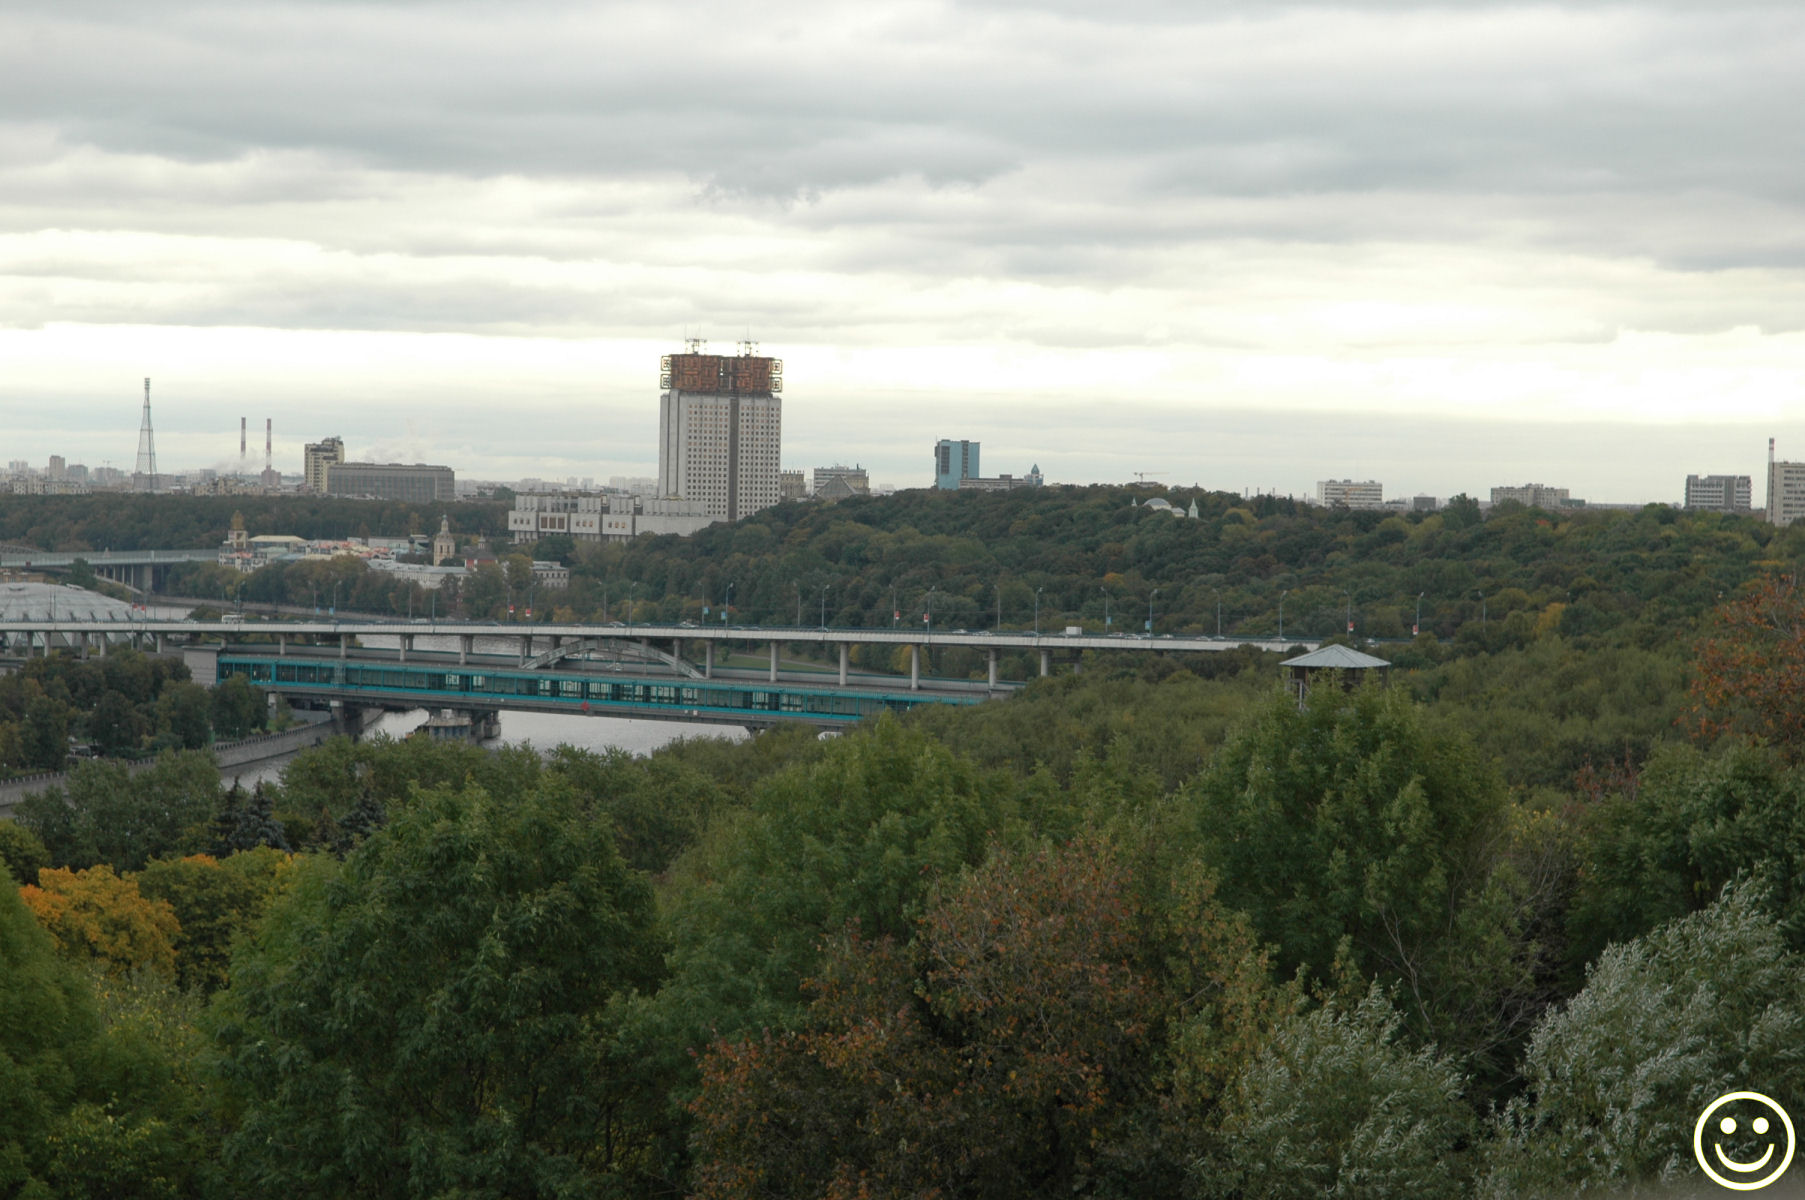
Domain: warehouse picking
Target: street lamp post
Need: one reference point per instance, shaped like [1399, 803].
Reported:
[335, 586]
[999, 624]
[895, 612]
[928, 616]
[1350, 608]
[727, 602]
[1106, 621]
[1218, 592]
[1037, 610]
[797, 584]
[824, 589]
[632, 594]
[1150, 611]
[1282, 596]
[1416, 626]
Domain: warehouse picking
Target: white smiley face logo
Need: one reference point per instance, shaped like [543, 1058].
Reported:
[1744, 1174]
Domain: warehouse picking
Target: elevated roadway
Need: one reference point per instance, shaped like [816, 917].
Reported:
[534, 641]
[139, 568]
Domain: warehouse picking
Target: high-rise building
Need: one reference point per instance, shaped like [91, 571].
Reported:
[1720, 493]
[791, 485]
[1534, 495]
[954, 461]
[720, 430]
[1367, 493]
[59, 467]
[315, 458]
[1785, 489]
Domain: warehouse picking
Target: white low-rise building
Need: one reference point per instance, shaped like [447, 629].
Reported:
[603, 518]
[1349, 493]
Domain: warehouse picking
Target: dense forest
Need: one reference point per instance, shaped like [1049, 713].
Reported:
[125, 521]
[1500, 929]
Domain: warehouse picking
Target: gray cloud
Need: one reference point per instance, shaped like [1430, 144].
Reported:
[1350, 186]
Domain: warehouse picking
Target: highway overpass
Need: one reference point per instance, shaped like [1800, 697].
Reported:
[542, 644]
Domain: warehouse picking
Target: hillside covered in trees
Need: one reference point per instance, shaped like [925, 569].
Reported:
[1502, 929]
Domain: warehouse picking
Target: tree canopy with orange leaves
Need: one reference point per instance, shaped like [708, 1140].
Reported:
[1749, 667]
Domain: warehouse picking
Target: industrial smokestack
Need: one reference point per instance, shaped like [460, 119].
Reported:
[268, 460]
[241, 424]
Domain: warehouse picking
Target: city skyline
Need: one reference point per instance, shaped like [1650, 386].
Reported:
[1575, 458]
[1446, 246]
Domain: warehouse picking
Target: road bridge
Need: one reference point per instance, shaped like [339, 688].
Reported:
[541, 643]
[141, 569]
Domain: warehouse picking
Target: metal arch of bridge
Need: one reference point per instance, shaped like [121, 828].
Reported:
[623, 650]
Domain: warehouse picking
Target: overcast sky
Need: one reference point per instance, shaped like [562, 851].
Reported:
[1245, 244]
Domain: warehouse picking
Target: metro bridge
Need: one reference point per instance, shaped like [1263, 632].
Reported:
[433, 680]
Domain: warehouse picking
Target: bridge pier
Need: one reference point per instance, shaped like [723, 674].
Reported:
[281, 645]
[914, 668]
[526, 648]
[406, 642]
[1046, 662]
[845, 652]
[465, 641]
[344, 645]
[708, 659]
[993, 666]
[773, 662]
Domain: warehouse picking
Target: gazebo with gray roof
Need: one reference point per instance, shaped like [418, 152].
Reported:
[1350, 662]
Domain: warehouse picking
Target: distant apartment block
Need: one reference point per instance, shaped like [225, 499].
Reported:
[791, 485]
[1720, 493]
[414, 484]
[1348, 493]
[1534, 495]
[315, 458]
[1785, 489]
[954, 461]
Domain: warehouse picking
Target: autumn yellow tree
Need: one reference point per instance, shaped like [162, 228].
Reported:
[96, 914]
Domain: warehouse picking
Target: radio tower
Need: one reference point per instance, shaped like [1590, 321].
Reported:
[144, 479]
